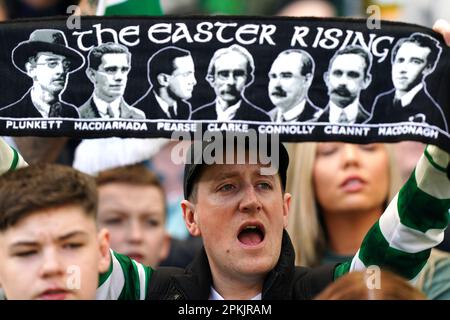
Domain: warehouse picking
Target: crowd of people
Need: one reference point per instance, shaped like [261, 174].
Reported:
[308, 231]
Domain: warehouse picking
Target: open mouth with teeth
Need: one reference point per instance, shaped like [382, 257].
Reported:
[251, 235]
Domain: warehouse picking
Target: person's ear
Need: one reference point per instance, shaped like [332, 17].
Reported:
[103, 246]
[427, 70]
[287, 198]
[326, 77]
[30, 69]
[91, 74]
[367, 81]
[210, 79]
[165, 247]
[308, 79]
[190, 218]
[163, 79]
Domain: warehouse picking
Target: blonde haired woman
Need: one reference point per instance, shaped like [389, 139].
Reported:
[339, 191]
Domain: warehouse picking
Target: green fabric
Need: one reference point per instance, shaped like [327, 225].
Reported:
[130, 290]
[224, 6]
[135, 7]
[375, 250]
[148, 276]
[342, 269]
[15, 159]
[433, 163]
[420, 211]
[137, 286]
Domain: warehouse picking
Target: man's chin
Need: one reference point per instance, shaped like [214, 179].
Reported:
[253, 267]
[342, 102]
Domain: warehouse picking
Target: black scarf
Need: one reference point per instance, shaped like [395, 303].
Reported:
[186, 74]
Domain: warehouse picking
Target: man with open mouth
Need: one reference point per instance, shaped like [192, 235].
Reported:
[241, 215]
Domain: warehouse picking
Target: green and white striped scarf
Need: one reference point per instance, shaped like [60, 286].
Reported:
[10, 159]
[126, 279]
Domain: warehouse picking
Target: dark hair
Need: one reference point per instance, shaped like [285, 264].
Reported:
[424, 41]
[96, 54]
[136, 174]
[163, 62]
[44, 186]
[353, 49]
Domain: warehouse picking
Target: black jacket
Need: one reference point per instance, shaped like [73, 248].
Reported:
[361, 117]
[153, 110]
[309, 113]
[24, 108]
[285, 281]
[246, 111]
[422, 105]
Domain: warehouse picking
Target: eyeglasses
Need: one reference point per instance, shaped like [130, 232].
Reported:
[52, 64]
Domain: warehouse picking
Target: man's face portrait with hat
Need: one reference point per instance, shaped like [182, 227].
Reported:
[47, 59]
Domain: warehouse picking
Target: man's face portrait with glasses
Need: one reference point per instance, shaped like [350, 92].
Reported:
[110, 78]
[49, 71]
[230, 76]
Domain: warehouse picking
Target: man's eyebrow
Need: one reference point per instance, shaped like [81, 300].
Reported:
[24, 243]
[53, 58]
[225, 175]
[72, 234]
[32, 243]
[257, 173]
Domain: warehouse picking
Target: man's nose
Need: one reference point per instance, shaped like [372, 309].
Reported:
[59, 69]
[250, 201]
[193, 80]
[134, 232]
[275, 83]
[119, 76]
[52, 264]
[230, 79]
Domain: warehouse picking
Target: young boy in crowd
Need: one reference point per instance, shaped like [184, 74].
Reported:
[132, 207]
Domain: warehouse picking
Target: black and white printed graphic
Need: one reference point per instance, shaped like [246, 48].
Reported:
[348, 74]
[171, 73]
[230, 71]
[306, 79]
[47, 59]
[290, 78]
[413, 59]
[108, 67]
